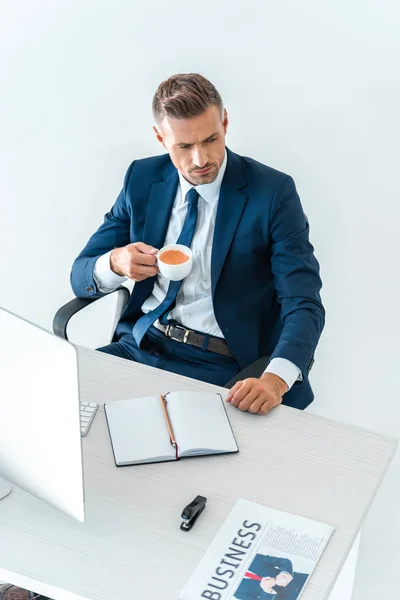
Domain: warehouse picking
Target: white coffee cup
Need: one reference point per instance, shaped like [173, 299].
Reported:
[175, 272]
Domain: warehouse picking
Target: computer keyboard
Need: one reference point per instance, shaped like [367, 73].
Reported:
[88, 410]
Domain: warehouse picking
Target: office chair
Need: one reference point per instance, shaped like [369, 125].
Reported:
[120, 297]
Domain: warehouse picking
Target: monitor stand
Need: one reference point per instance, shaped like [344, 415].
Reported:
[5, 488]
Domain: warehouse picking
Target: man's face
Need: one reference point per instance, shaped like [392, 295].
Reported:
[197, 145]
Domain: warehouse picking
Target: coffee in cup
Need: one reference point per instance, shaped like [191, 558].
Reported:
[175, 261]
[174, 257]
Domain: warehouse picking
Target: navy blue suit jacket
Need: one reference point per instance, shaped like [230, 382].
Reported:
[265, 277]
[270, 566]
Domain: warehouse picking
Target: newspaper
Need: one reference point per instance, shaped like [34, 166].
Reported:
[259, 553]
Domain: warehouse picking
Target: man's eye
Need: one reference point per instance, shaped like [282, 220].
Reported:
[213, 140]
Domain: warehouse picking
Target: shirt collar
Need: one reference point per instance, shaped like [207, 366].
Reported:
[208, 191]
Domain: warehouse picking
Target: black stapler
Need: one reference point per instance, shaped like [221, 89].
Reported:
[191, 512]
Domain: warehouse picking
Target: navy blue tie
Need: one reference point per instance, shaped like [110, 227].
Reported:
[161, 312]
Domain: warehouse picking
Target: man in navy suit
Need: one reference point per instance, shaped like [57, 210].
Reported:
[271, 578]
[254, 287]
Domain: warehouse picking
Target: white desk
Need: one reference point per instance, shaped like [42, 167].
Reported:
[131, 547]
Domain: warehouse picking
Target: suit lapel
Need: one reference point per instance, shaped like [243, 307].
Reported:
[159, 207]
[161, 201]
[230, 208]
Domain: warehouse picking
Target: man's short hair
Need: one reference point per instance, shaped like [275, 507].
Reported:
[184, 96]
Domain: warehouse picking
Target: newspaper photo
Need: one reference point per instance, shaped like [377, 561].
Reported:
[259, 554]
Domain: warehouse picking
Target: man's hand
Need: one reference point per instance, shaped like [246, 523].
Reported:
[258, 395]
[283, 579]
[267, 584]
[136, 261]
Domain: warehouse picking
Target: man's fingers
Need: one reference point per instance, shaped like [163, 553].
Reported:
[144, 259]
[254, 396]
[139, 273]
[136, 261]
[233, 390]
[145, 248]
[265, 408]
[146, 271]
[139, 257]
[248, 400]
[241, 392]
[235, 398]
[257, 403]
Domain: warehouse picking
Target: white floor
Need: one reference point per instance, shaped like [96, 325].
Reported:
[343, 588]
[367, 398]
[378, 562]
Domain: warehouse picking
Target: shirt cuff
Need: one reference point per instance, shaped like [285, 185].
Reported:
[105, 279]
[286, 370]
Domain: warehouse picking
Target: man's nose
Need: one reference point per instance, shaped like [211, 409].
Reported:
[200, 158]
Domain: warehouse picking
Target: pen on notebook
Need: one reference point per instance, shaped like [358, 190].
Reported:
[166, 415]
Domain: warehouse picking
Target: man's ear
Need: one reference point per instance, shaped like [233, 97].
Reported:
[225, 121]
[158, 136]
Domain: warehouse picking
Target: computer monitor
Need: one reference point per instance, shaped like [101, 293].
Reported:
[40, 436]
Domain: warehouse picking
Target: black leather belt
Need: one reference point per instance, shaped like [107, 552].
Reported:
[193, 338]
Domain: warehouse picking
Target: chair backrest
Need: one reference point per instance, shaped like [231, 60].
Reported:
[94, 325]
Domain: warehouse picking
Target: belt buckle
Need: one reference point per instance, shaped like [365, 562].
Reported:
[185, 335]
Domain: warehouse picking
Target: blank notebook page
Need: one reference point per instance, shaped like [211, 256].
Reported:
[138, 430]
[200, 422]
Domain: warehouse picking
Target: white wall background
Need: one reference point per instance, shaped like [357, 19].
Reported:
[312, 88]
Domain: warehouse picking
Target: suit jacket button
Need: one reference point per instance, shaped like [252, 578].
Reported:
[89, 288]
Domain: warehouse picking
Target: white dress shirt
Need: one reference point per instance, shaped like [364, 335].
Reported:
[193, 308]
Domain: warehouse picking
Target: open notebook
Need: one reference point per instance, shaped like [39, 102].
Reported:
[139, 428]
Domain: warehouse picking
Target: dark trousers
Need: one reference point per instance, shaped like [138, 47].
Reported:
[164, 353]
